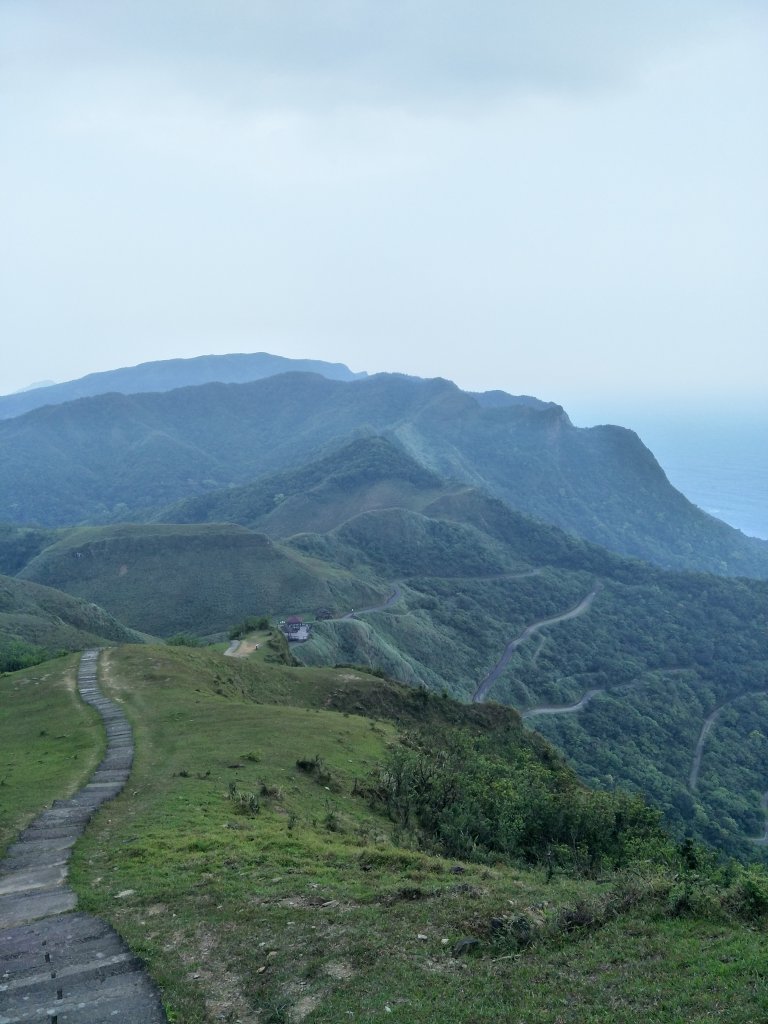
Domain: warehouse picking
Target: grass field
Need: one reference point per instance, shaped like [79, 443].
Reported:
[258, 891]
[49, 741]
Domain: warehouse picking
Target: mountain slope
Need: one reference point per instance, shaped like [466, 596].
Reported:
[368, 473]
[199, 579]
[452, 593]
[38, 620]
[114, 457]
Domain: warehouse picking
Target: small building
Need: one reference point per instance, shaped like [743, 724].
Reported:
[295, 629]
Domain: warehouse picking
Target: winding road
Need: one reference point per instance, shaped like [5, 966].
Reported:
[709, 721]
[484, 686]
[566, 709]
[394, 596]
[693, 779]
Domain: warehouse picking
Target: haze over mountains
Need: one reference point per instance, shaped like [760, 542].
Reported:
[457, 521]
[164, 375]
[115, 457]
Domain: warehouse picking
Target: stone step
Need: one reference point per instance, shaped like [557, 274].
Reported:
[58, 937]
[126, 996]
[19, 908]
[33, 878]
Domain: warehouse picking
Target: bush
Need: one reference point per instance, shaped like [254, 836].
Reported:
[15, 655]
[248, 625]
[748, 895]
[184, 640]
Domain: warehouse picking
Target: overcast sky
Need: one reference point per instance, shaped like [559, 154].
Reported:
[558, 198]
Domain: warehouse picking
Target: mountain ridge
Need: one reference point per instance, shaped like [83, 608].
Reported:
[117, 457]
[167, 375]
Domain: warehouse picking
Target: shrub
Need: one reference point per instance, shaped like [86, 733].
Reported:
[748, 895]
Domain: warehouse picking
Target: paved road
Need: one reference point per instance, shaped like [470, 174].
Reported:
[58, 966]
[394, 596]
[709, 721]
[563, 709]
[763, 839]
[483, 687]
[693, 779]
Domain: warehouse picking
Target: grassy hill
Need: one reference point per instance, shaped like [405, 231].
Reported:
[38, 621]
[368, 473]
[199, 579]
[312, 845]
[116, 457]
[654, 656]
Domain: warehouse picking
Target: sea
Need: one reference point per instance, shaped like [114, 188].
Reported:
[718, 459]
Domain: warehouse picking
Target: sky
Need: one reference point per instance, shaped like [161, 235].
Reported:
[560, 199]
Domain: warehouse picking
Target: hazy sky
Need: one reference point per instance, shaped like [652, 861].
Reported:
[558, 198]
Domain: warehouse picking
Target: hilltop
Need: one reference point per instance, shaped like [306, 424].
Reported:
[166, 579]
[313, 844]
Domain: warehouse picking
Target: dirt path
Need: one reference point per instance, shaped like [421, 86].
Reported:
[483, 687]
[241, 648]
[56, 965]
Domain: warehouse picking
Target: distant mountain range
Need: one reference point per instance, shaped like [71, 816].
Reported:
[117, 457]
[167, 374]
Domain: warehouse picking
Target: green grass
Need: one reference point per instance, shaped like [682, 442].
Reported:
[165, 580]
[311, 910]
[314, 908]
[49, 741]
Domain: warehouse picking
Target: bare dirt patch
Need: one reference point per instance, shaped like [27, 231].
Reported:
[339, 970]
[223, 989]
[246, 647]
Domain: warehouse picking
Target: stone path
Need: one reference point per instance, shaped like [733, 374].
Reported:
[58, 966]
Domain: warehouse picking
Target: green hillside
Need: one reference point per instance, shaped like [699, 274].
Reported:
[199, 579]
[652, 654]
[117, 457]
[322, 845]
[368, 473]
[38, 621]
